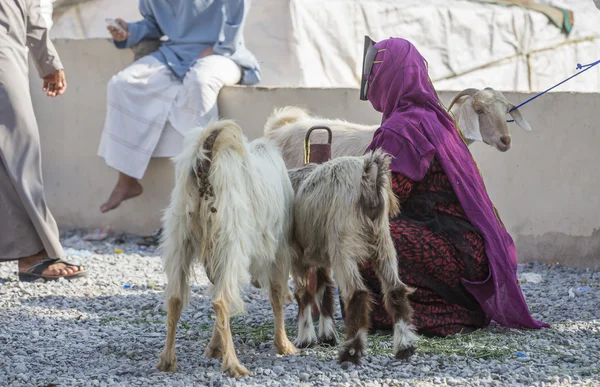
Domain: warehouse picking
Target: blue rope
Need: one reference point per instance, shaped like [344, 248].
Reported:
[579, 67]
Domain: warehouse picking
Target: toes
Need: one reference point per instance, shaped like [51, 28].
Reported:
[62, 270]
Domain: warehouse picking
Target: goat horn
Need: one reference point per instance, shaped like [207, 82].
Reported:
[470, 92]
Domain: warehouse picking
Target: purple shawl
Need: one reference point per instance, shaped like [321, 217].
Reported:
[415, 128]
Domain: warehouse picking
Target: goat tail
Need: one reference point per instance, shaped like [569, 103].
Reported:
[380, 178]
[377, 190]
[184, 220]
[284, 116]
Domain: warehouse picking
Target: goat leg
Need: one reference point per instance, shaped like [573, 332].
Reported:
[325, 303]
[278, 285]
[398, 306]
[230, 363]
[306, 330]
[213, 349]
[395, 298]
[358, 309]
[168, 360]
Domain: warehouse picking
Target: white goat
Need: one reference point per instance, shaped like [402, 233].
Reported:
[231, 208]
[481, 115]
[341, 221]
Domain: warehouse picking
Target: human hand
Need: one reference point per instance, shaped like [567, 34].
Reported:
[207, 52]
[55, 83]
[119, 36]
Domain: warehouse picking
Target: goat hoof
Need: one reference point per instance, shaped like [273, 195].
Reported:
[213, 353]
[235, 370]
[286, 348]
[167, 365]
[328, 341]
[351, 351]
[405, 353]
[304, 344]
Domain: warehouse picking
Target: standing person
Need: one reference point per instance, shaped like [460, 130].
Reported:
[28, 232]
[452, 246]
[154, 102]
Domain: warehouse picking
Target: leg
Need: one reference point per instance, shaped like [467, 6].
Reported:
[230, 362]
[278, 286]
[28, 231]
[196, 103]
[213, 349]
[168, 361]
[395, 298]
[357, 314]
[127, 187]
[324, 301]
[178, 249]
[306, 330]
[139, 99]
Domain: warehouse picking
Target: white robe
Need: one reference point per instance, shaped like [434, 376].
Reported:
[149, 110]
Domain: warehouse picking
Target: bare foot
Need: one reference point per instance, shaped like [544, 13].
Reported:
[127, 187]
[58, 269]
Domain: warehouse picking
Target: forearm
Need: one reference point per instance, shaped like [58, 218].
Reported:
[139, 31]
[146, 28]
[41, 47]
[235, 16]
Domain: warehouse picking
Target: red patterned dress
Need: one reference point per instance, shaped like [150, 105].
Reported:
[436, 245]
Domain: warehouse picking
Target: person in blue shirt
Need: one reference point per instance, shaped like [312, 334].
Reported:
[153, 103]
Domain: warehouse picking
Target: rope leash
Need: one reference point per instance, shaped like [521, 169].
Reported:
[579, 67]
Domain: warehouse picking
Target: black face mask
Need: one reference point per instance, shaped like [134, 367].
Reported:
[368, 58]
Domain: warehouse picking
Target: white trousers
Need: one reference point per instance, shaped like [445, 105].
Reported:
[149, 110]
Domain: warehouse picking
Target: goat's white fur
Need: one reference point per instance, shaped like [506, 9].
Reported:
[404, 336]
[326, 325]
[306, 329]
[249, 235]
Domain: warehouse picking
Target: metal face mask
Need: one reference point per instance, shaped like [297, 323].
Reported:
[368, 58]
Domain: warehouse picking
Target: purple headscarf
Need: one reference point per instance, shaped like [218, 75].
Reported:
[416, 128]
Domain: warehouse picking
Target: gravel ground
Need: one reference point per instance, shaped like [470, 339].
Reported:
[109, 329]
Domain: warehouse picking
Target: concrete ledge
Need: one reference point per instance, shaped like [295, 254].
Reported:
[546, 187]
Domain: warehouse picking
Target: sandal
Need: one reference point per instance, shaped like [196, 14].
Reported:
[35, 272]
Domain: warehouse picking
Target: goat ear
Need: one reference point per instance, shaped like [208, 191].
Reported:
[518, 117]
[469, 121]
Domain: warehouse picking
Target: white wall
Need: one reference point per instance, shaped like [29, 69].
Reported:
[546, 187]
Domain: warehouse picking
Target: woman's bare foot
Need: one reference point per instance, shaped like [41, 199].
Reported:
[58, 269]
[127, 187]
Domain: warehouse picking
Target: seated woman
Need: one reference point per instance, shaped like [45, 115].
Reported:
[452, 246]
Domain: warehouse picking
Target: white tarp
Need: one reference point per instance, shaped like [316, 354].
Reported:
[316, 43]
